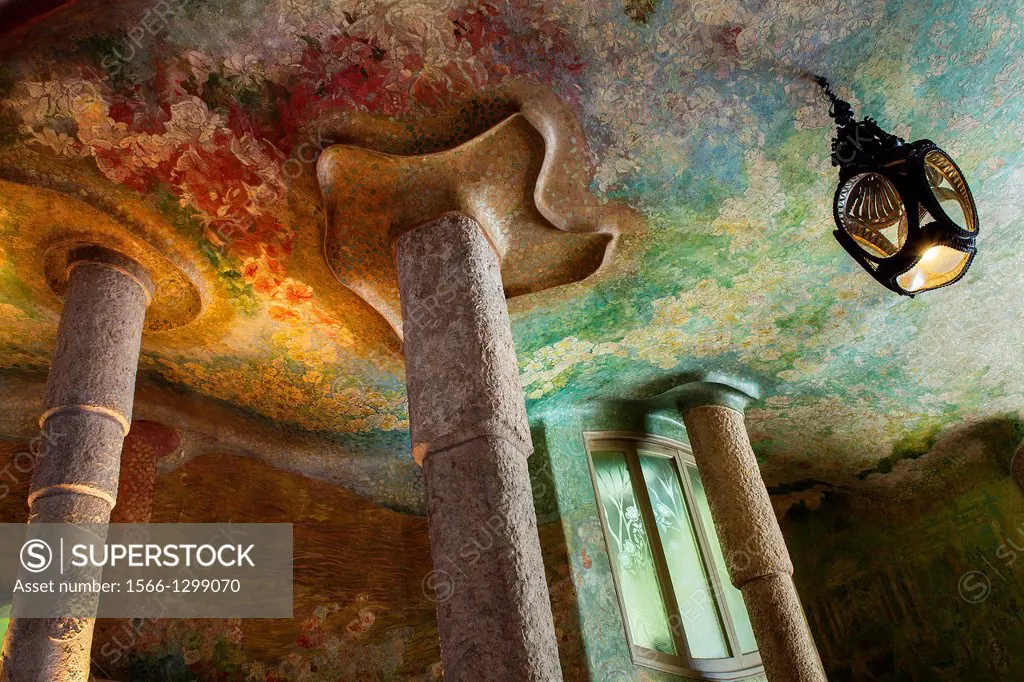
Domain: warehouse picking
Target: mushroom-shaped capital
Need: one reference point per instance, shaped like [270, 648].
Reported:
[372, 198]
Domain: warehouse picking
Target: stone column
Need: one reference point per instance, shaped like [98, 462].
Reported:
[87, 412]
[752, 542]
[470, 434]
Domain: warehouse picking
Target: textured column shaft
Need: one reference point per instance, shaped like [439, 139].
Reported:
[470, 433]
[752, 542]
[89, 394]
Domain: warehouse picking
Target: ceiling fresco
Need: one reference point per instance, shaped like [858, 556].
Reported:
[201, 123]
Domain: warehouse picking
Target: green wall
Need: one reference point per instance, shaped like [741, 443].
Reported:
[562, 485]
[932, 596]
[5, 610]
[911, 582]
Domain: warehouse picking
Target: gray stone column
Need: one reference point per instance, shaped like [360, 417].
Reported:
[752, 542]
[470, 434]
[87, 412]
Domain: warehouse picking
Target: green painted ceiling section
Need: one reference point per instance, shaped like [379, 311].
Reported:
[695, 114]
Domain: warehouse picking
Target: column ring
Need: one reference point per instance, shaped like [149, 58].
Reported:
[94, 409]
[78, 488]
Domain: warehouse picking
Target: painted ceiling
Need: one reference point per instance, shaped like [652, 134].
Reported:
[200, 123]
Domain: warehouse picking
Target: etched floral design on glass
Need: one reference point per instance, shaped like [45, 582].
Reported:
[631, 552]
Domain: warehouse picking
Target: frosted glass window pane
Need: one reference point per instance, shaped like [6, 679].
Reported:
[733, 597]
[631, 553]
[698, 612]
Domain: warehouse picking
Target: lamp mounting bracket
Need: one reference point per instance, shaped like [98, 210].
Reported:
[857, 143]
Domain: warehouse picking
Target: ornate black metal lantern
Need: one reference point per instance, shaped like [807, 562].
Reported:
[902, 210]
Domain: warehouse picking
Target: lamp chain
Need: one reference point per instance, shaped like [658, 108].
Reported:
[840, 110]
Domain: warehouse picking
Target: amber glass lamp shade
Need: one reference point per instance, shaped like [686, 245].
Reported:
[903, 211]
[908, 217]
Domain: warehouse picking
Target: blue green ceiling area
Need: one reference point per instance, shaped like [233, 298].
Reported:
[694, 114]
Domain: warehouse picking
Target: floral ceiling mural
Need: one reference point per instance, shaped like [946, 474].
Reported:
[210, 115]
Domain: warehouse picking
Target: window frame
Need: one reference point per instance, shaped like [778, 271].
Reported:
[735, 667]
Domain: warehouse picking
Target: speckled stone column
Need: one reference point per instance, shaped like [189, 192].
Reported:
[470, 433]
[87, 412]
[752, 542]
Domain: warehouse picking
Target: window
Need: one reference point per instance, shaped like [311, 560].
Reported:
[682, 615]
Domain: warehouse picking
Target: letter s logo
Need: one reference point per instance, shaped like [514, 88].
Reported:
[36, 556]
